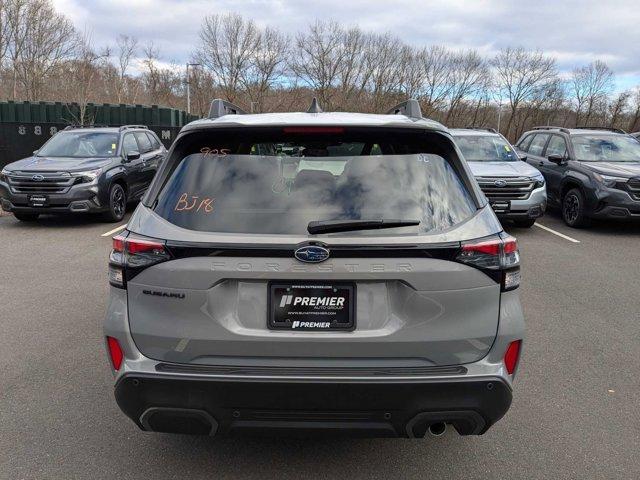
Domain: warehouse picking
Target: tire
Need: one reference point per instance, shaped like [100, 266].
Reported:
[573, 209]
[26, 217]
[117, 204]
[528, 223]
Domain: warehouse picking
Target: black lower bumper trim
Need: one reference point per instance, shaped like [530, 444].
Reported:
[380, 408]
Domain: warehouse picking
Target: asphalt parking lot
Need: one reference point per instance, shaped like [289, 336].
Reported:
[575, 411]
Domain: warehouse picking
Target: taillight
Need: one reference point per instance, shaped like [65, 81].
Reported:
[511, 356]
[115, 353]
[498, 256]
[131, 254]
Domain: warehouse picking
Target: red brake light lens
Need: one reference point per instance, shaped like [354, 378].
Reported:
[143, 246]
[511, 356]
[115, 353]
[492, 247]
[118, 243]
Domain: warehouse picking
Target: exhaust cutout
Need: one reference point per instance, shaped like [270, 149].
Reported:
[437, 429]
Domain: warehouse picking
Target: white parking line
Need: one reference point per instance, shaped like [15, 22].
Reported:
[561, 235]
[111, 232]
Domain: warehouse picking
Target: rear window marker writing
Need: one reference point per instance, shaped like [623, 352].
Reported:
[187, 203]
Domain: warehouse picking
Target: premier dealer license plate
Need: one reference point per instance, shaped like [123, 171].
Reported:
[312, 306]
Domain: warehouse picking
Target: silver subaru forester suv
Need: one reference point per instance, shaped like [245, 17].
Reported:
[334, 272]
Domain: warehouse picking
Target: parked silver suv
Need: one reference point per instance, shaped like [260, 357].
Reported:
[515, 189]
[315, 271]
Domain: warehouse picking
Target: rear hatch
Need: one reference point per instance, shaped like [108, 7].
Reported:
[223, 271]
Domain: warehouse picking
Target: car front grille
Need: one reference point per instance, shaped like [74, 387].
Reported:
[634, 188]
[506, 188]
[40, 182]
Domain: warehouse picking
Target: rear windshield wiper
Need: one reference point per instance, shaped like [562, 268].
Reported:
[332, 226]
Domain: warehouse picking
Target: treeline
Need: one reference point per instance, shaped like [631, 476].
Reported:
[44, 57]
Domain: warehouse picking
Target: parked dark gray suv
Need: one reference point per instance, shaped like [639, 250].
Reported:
[314, 271]
[94, 169]
[590, 172]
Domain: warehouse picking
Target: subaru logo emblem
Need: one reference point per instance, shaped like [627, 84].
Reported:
[37, 178]
[312, 254]
[500, 183]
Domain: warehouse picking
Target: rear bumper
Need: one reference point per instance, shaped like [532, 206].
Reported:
[372, 408]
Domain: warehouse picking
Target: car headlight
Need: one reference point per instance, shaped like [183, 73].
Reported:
[609, 180]
[539, 179]
[89, 175]
[3, 175]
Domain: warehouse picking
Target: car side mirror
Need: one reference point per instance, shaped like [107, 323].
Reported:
[522, 156]
[557, 159]
[133, 155]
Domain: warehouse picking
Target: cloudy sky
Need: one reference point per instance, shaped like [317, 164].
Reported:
[574, 32]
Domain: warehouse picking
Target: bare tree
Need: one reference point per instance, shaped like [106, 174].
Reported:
[126, 50]
[48, 39]
[520, 74]
[469, 75]
[437, 65]
[228, 45]
[384, 61]
[266, 66]
[318, 59]
[4, 32]
[81, 73]
[634, 121]
[591, 84]
[618, 107]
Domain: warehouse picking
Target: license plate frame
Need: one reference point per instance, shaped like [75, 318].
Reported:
[501, 206]
[38, 200]
[329, 316]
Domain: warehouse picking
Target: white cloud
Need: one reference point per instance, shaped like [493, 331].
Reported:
[575, 32]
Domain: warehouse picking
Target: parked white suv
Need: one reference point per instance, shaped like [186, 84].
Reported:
[515, 189]
[317, 271]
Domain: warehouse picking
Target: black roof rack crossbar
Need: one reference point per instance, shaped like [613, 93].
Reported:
[125, 127]
[549, 127]
[410, 108]
[486, 129]
[95, 125]
[220, 108]
[611, 129]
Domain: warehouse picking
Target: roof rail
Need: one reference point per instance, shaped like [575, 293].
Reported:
[73, 127]
[486, 129]
[125, 127]
[611, 129]
[220, 108]
[562, 129]
[410, 108]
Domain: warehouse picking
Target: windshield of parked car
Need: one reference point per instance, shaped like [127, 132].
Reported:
[606, 148]
[485, 148]
[279, 187]
[80, 145]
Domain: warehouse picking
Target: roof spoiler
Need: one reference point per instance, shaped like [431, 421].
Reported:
[410, 108]
[220, 108]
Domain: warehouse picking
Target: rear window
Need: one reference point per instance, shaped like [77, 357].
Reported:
[254, 186]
